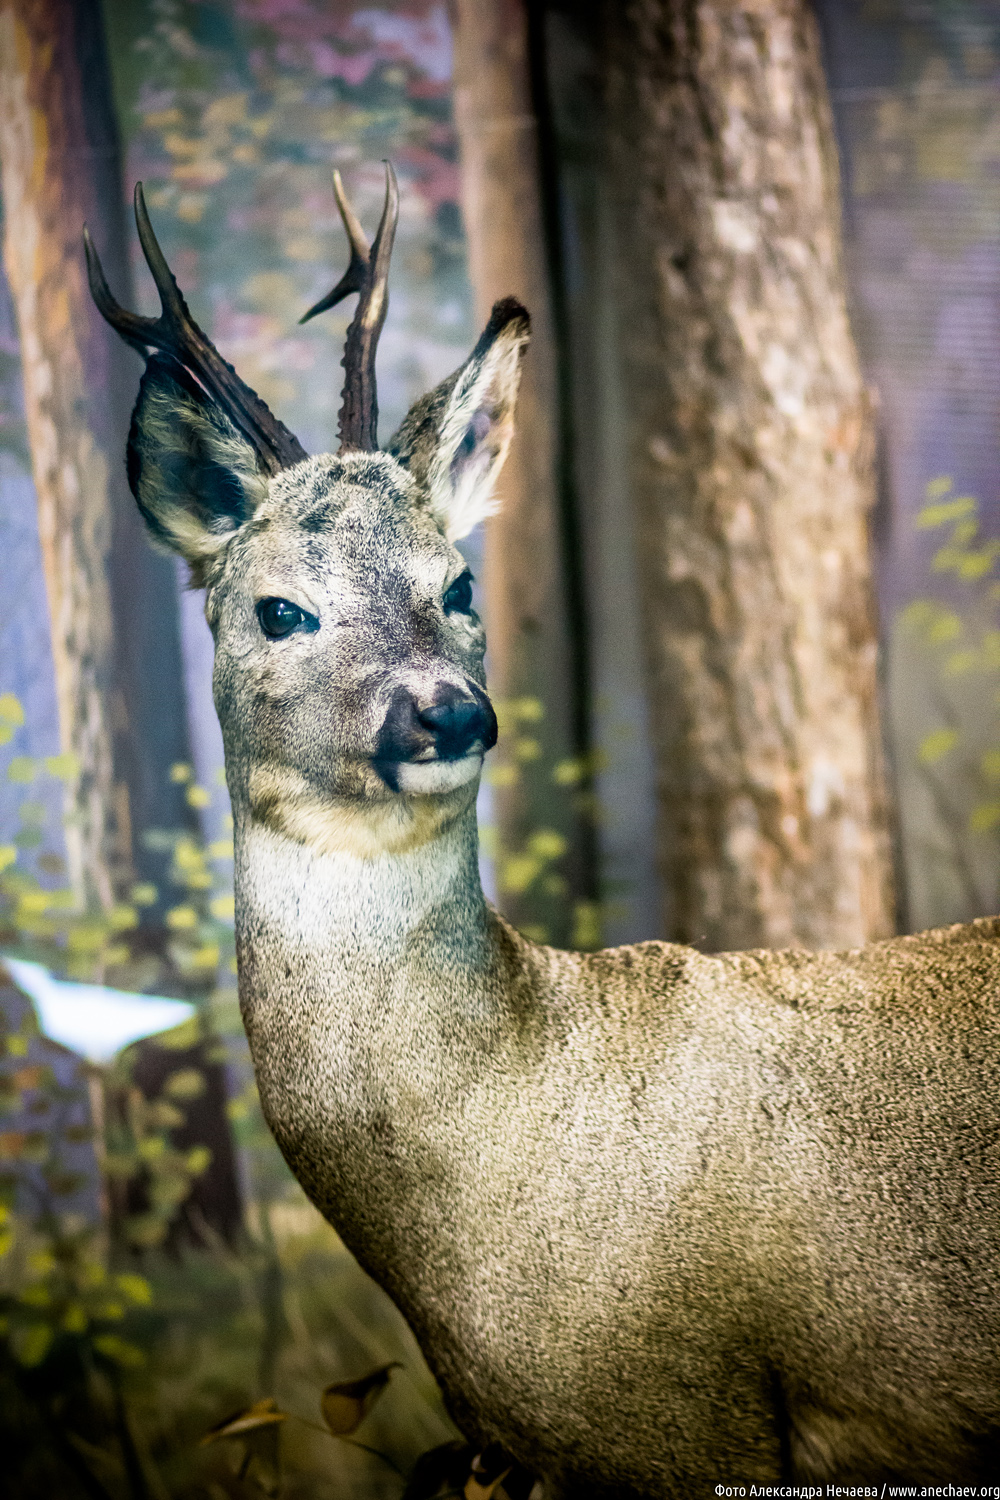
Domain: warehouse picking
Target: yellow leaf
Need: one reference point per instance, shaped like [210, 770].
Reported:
[11, 711]
[485, 1479]
[66, 767]
[223, 907]
[186, 1083]
[518, 871]
[345, 1404]
[946, 510]
[198, 796]
[182, 917]
[586, 925]
[198, 1159]
[248, 1419]
[144, 894]
[75, 1318]
[527, 749]
[136, 1288]
[205, 957]
[935, 745]
[502, 775]
[157, 118]
[960, 662]
[30, 902]
[221, 849]
[181, 771]
[547, 843]
[226, 110]
[985, 817]
[8, 854]
[22, 769]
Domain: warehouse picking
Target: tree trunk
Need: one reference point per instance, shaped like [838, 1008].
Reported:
[751, 454]
[536, 630]
[119, 689]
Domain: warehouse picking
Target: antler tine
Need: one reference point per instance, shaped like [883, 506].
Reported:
[176, 333]
[353, 278]
[359, 412]
[173, 304]
[135, 330]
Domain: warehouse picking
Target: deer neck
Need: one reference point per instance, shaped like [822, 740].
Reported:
[363, 981]
[347, 917]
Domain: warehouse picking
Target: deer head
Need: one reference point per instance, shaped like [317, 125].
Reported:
[349, 661]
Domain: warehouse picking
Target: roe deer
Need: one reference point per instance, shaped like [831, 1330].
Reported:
[659, 1220]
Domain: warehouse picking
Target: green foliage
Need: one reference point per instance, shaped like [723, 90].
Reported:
[532, 870]
[962, 649]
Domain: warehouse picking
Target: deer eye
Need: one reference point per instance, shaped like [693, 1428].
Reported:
[279, 618]
[458, 596]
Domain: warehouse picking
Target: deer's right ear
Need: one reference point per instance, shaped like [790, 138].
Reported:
[193, 474]
[455, 440]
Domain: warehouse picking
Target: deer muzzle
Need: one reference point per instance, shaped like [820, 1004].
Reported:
[436, 742]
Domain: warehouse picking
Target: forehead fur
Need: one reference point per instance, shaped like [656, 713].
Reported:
[315, 494]
[367, 498]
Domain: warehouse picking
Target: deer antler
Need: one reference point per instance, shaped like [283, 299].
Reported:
[176, 333]
[367, 274]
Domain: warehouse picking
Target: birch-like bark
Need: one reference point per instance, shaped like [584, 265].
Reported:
[750, 442]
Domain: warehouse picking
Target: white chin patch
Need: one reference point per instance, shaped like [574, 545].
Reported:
[430, 776]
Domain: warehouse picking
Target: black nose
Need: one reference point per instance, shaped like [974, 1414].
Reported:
[458, 722]
[454, 720]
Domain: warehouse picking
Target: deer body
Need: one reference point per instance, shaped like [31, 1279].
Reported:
[658, 1220]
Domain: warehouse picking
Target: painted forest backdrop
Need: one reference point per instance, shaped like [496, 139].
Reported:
[158, 1268]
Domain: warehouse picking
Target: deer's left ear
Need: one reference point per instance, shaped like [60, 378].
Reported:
[454, 440]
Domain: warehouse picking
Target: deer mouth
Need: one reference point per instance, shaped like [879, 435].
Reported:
[427, 777]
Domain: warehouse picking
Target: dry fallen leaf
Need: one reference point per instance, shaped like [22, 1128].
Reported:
[263, 1413]
[346, 1403]
[486, 1475]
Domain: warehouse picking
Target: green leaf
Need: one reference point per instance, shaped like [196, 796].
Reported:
[119, 1351]
[32, 1345]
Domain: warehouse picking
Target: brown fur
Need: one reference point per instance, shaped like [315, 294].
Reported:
[660, 1221]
